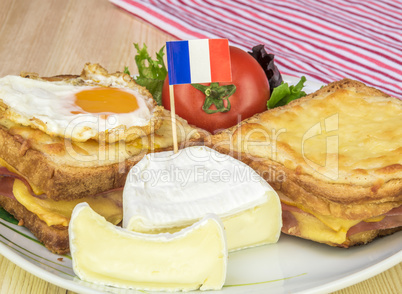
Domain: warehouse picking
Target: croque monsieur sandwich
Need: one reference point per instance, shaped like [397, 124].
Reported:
[335, 159]
[71, 139]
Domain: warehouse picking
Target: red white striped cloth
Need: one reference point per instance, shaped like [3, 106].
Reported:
[323, 40]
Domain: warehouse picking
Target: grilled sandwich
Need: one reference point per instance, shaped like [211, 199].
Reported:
[335, 159]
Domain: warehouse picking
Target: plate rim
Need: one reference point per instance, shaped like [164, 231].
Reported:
[358, 276]
[335, 285]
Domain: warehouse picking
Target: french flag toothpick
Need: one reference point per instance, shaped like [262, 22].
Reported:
[196, 61]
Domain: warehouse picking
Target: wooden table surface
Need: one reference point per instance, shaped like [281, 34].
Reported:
[52, 37]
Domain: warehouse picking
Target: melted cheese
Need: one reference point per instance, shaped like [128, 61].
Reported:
[334, 223]
[59, 212]
[324, 228]
[331, 136]
[375, 219]
[194, 258]
[312, 228]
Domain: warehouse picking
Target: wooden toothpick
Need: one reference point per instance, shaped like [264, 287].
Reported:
[173, 116]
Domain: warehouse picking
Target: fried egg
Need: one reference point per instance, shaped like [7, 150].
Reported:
[95, 105]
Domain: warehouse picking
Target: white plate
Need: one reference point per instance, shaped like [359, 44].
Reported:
[292, 265]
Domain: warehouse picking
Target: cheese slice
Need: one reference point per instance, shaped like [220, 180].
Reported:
[168, 191]
[312, 228]
[334, 223]
[59, 212]
[194, 258]
[323, 228]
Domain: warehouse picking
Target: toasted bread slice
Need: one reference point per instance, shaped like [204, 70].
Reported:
[336, 152]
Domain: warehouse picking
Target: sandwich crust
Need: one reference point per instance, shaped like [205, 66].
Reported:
[368, 236]
[55, 238]
[336, 151]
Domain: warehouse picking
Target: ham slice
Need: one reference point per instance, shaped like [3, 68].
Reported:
[5, 173]
[6, 186]
[290, 225]
[392, 219]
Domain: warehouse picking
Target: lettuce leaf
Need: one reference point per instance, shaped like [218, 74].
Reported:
[156, 69]
[7, 216]
[152, 73]
[284, 93]
[126, 71]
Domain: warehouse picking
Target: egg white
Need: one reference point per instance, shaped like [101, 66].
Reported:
[48, 106]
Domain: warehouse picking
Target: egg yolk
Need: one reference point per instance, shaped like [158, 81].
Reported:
[105, 100]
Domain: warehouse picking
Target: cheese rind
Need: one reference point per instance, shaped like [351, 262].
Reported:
[194, 258]
[165, 192]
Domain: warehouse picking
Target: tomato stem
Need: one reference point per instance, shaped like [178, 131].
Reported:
[216, 95]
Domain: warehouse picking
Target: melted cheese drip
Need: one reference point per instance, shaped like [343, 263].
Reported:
[312, 228]
[59, 212]
[334, 223]
[324, 228]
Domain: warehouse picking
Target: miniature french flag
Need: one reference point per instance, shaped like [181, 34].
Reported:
[198, 61]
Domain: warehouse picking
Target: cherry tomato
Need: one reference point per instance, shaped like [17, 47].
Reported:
[251, 96]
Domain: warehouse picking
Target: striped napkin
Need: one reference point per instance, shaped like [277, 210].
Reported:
[323, 40]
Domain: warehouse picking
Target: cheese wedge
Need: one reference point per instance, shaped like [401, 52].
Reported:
[166, 192]
[194, 258]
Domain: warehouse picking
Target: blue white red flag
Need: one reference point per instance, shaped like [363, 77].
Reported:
[198, 61]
